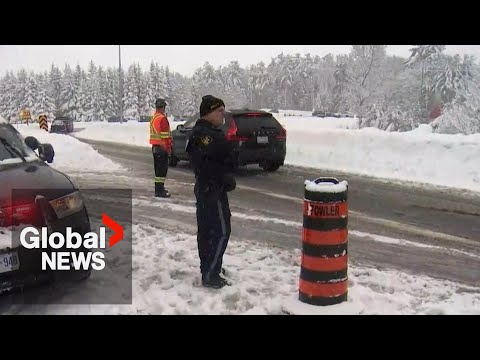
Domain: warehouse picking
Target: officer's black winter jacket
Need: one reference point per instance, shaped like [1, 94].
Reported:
[211, 157]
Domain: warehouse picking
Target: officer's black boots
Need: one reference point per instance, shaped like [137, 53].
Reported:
[216, 282]
[160, 191]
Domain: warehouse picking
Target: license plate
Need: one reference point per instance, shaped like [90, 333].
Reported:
[262, 139]
[9, 262]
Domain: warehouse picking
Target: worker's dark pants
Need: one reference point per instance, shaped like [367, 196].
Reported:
[160, 164]
[213, 222]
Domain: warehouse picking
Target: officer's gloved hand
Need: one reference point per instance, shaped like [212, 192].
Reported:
[229, 182]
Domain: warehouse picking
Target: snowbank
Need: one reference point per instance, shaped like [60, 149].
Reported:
[71, 155]
[336, 144]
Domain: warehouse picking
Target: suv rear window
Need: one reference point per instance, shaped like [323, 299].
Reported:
[248, 123]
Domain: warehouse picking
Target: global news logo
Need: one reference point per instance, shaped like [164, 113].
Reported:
[75, 249]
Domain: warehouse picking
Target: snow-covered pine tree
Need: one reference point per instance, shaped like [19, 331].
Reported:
[460, 82]
[54, 86]
[45, 103]
[68, 96]
[131, 109]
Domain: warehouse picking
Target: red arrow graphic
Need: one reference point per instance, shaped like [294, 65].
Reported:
[116, 227]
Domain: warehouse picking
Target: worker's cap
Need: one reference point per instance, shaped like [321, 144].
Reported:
[160, 103]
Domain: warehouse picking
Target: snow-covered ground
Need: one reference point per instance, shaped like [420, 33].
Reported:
[337, 144]
[265, 279]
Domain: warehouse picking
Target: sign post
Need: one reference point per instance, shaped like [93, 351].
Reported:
[25, 115]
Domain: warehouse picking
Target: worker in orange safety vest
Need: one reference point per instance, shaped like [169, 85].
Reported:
[161, 141]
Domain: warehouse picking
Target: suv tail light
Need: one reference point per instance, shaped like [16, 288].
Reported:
[282, 135]
[231, 134]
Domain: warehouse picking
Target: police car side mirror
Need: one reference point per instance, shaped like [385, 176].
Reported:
[46, 152]
[180, 127]
[32, 142]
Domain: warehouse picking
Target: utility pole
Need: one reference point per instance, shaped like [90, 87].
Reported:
[421, 99]
[120, 79]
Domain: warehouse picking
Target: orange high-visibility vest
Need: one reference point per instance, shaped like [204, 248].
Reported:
[160, 131]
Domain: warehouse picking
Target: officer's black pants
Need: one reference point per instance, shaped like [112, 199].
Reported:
[213, 221]
[160, 164]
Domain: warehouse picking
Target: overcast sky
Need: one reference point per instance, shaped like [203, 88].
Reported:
[184, 59]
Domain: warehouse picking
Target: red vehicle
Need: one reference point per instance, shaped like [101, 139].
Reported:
[436, 112]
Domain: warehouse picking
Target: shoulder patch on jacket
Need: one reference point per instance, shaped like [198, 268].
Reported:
[206, 140]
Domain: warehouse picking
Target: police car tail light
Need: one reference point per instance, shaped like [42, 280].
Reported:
[67, 205]
[231, 134]
[16, 213]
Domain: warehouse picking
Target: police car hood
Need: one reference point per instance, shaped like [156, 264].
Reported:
[32, 179]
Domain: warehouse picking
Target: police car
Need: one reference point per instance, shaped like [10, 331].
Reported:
[33, 193]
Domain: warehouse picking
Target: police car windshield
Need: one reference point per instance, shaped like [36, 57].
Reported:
[12, 144]
[58, 122]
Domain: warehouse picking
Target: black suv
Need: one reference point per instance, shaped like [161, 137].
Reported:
[257, 138]
[62, 125]
[33, 193]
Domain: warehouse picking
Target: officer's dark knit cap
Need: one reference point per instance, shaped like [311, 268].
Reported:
[209, 104]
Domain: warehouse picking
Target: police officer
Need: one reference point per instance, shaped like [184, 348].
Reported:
[211, 158]
[161, 141]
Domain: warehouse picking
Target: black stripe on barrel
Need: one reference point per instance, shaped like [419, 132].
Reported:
[322, 301]
[323, 276]
[325, 250]
[324, 224]
[326, 196]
